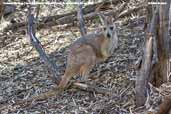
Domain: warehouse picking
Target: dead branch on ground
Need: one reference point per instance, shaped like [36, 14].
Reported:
[54, 92]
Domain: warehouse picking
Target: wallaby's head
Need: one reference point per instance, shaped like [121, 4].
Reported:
[109, 30]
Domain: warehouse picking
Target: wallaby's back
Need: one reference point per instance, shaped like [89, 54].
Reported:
[95, 40]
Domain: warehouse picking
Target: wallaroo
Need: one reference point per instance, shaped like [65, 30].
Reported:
[89, 50]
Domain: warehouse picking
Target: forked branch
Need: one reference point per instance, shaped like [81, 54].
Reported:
[37, 45]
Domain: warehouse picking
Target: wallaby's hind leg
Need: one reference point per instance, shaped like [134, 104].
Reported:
[80, 61]
[69, 73]
[84, 72]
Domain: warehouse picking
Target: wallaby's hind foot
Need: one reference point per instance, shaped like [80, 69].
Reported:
[84, 72]
[69, 73]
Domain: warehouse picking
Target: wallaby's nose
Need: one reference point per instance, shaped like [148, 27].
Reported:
[108, 35]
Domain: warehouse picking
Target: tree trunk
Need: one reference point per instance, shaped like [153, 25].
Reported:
[161, 70]
[155, 65]
[1, 8]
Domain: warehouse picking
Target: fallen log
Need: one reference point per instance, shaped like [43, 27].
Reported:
[68, 21]
[68, 18]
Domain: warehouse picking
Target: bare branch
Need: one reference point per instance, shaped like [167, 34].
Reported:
[36, 43]
[80, 19]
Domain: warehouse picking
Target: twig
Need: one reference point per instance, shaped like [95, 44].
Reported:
[92, 88]
[130, 11]
[128, 87]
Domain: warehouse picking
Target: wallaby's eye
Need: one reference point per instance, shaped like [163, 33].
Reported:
[104, 28]
[111, 28]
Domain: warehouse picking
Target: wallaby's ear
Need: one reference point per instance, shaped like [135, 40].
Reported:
[102, 18]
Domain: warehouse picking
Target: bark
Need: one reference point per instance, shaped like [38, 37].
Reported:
[161, 70]
[142, 80]
[163, 46]
[155, 68]
[146, 66]
[1, 8]
[170, 25]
